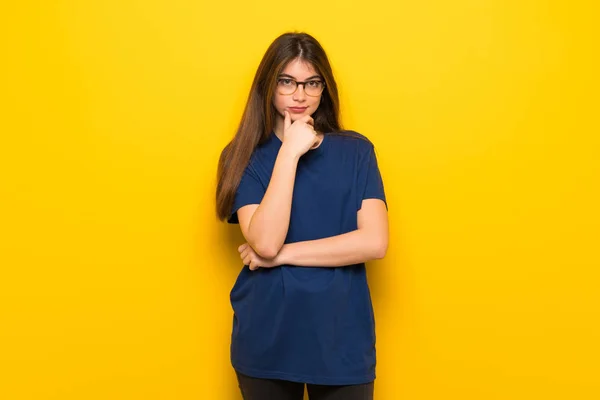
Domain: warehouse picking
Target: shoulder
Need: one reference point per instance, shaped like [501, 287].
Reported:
[262, 160]
[352, 141]
[350, 136]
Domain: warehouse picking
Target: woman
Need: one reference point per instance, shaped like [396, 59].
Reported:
[310, 203]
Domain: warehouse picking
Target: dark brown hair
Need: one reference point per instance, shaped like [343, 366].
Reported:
[258, 119]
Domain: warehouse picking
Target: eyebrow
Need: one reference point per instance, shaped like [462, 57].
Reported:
[309, 78]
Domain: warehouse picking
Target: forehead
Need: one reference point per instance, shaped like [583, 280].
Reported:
[299, 69]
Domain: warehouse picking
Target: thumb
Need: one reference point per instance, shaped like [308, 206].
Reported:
[287, 120]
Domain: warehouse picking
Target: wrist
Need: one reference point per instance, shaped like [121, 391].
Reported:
[283, 255]
[288, 153]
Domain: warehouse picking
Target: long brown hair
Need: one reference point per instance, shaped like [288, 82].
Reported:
[258, 119]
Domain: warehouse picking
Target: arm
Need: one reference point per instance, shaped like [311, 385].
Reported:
[368, 242]
[265, 226]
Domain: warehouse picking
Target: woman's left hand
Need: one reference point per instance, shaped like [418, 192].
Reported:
[253, 260]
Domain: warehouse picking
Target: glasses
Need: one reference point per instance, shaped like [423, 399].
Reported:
[288, 86]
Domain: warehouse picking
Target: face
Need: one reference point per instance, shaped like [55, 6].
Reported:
[298, 104]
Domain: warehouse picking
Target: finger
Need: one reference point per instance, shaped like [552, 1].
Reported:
[287, 121]
[309, 120]
[315, 143]
[244, 253]
[243, 246]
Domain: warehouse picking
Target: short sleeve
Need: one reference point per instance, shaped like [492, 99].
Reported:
[249, 191]
[370, 183]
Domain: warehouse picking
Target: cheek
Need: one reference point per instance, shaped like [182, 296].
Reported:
[317, 103]
[278, 102]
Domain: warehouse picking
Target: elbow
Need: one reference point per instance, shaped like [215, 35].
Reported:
[380, 249]
[267, 251]
[265, 247]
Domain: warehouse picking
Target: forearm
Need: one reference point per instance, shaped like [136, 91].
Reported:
[270, 222]
[336, 251]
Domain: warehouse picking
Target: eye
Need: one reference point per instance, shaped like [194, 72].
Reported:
[285, 82]
[314, 84]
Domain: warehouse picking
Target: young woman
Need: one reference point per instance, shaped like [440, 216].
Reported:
[310, 202]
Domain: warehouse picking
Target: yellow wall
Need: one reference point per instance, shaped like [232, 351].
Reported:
[115, 274]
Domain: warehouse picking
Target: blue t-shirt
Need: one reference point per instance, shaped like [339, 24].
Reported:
[309, 324]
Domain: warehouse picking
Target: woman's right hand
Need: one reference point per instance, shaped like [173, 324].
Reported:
[300, 136]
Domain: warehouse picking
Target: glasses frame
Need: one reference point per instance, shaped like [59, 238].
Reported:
[298, 83]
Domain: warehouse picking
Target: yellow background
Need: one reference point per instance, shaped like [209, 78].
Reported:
[115, 273]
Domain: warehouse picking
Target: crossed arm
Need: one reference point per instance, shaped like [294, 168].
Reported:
[265, 227]
[368, 242]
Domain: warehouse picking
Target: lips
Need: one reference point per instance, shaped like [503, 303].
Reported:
[297, 109]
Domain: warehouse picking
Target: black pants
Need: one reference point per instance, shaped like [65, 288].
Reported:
[277, 389]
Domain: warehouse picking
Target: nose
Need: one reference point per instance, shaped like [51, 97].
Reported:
[299, 93]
